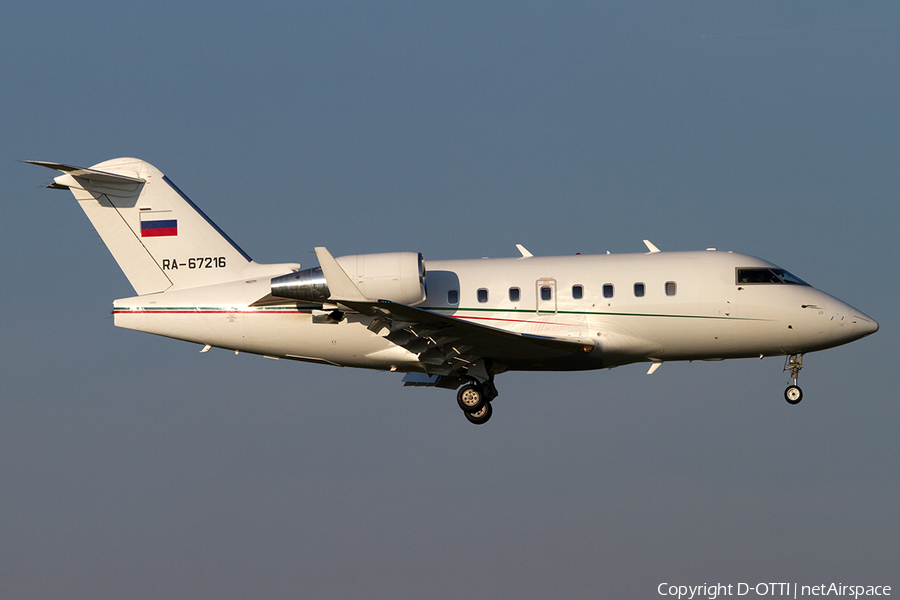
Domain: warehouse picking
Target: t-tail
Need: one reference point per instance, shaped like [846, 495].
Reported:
[160, 239]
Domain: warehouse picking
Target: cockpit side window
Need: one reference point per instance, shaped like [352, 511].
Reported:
[777, 276]
[789, 277]
[756, 276]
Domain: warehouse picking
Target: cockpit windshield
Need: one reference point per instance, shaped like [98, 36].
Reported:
[757, 275]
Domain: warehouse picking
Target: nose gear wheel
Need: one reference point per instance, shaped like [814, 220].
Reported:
[793, 394]
[793, 363]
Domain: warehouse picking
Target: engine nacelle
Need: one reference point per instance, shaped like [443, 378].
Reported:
[395, 276]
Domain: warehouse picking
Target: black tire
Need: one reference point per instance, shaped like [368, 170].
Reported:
[470, 398]
[482, 416]
[793, 394]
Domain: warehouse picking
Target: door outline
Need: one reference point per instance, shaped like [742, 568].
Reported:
[545, 305]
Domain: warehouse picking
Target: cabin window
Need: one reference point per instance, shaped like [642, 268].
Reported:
[453, 297]
[514, 294]
[482, 295]
[578, 292]
[670, 288]
[639, 290]
[607, 290]
[546, 292]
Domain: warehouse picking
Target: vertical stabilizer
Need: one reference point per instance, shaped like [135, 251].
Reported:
[160, 238]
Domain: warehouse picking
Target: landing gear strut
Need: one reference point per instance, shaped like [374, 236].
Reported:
[793, 363]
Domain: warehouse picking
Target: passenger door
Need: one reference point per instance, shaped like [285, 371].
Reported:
[545, 296]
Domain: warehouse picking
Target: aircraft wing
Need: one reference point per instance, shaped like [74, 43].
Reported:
[449, 345]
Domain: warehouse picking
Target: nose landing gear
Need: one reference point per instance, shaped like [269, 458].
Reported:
[793, 363]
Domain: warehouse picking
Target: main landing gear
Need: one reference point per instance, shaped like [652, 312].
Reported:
[793, 363]
[475, 401]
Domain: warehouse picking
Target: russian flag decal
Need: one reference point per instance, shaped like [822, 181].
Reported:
[159, 228]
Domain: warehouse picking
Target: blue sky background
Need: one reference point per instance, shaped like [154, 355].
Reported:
[133, 466]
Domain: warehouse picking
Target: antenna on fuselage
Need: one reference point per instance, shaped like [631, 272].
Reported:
[525, 253]
[653, 249]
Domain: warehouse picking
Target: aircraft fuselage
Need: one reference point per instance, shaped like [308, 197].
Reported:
[661, 306]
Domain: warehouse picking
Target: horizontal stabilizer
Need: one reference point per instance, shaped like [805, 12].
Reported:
[89, 174]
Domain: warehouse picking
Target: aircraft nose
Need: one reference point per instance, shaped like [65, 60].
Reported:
[848, 323]
[863, 325]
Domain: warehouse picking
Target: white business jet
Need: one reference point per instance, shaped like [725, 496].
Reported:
[451, 323]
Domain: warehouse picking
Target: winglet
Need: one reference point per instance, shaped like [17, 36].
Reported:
[339, 283]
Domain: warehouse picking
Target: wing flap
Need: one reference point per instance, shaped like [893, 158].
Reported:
[447, 345]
